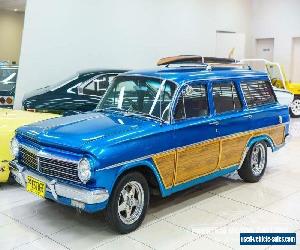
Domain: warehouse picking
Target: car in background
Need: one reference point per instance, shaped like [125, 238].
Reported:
[79, 93]
[155, 131]
[279, 80]
[284, 96]
[4, 63]
[10, 120]
[8, 80]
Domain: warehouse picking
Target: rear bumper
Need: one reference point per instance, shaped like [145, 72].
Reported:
[87, 200]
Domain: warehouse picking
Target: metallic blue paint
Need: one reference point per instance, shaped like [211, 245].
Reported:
[117, 142]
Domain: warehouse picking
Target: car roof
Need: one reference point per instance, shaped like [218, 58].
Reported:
[99, 71]
[182, 75]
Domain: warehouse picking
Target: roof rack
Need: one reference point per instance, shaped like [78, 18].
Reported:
[194, 59]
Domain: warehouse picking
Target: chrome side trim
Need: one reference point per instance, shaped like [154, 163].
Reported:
[193, 144]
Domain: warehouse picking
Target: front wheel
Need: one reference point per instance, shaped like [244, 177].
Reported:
[295, 107]
[128, 203]
[255, 163]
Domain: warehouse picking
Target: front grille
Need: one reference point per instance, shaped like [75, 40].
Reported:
[57, 168]
[60, 169]
[28, 158]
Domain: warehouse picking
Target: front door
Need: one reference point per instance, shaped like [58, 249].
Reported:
[197, 150]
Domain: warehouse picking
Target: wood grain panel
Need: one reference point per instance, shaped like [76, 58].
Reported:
[165, 163]
[232, 150]
[196, 160]
[185, 164]
[276, 133]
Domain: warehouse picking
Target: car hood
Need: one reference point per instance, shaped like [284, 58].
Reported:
[79, 131]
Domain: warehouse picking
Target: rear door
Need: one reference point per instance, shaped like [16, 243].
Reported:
[232, 123]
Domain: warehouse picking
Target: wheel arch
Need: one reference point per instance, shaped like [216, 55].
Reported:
[266, 138]
[148, 169]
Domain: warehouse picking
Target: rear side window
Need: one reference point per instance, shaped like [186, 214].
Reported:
[192, 102]
[96, 86]
[226, 97]
[258, 93]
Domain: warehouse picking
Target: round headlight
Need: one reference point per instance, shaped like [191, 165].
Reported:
[84, 170]
[14, 146]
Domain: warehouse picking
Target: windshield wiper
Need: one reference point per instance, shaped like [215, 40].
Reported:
[110, 109]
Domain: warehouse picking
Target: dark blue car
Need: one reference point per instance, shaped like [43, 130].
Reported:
[80, 93]
[165, 130]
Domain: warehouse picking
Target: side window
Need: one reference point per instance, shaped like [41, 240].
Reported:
[97, 86]
[258, 93]
[192, 102]
[226, 97]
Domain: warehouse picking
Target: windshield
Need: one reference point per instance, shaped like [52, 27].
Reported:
[140, 95]
[8, 75]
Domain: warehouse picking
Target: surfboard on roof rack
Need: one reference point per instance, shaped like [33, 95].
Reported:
[193, 59]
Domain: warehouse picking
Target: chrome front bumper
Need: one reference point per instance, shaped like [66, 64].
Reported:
[20, 174]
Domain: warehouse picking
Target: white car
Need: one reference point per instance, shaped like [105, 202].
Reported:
[284, 97]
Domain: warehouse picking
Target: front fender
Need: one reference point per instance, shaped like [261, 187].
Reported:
[148, 163]
[109, 176]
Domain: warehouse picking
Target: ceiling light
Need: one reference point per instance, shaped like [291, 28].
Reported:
[15, 10]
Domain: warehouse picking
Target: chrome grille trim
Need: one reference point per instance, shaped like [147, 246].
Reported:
[49, 164]
[28, 158]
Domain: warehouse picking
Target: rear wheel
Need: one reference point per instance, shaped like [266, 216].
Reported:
[128, 203]
[295, 107]
[255, 163]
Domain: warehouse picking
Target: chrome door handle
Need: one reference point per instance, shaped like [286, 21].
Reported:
[248, 116]
[214, 123]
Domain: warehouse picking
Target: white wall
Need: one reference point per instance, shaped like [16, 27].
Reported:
[61, 37]
[11, 27]
[278, 19]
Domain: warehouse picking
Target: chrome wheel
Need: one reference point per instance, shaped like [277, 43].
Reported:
[258, 159]
[131, 202]
[295, 107]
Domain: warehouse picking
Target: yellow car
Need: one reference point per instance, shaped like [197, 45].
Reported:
[278, 78]
[10, 120]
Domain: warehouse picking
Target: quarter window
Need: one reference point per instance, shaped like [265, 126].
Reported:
[97, 86]
[226, 97]
[192, 102]
[258, 93]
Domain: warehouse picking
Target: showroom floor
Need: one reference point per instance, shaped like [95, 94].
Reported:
[210, 216]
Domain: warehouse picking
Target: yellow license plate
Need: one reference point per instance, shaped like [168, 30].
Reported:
[36, 186]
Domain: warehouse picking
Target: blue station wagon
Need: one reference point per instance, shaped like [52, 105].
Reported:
[163, 130]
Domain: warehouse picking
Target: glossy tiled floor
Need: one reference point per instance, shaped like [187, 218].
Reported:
[210, 216]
